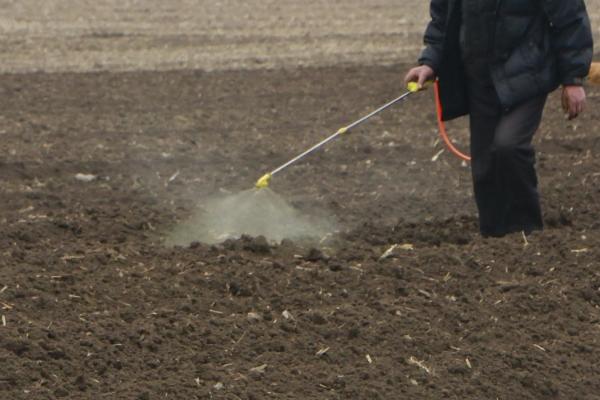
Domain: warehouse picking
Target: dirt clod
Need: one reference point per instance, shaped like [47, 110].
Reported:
[258, 245]
[315, 255]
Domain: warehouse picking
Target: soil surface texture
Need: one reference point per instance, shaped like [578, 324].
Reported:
[95, 306]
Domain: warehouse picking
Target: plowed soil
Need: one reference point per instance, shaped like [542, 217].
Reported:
[94, 305]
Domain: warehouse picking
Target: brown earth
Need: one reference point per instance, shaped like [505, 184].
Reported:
[95, 306]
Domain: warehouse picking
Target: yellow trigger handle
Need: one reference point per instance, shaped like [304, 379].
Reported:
[413, 87]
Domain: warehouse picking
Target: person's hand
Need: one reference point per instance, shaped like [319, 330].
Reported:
[420, 75]
[573, 101]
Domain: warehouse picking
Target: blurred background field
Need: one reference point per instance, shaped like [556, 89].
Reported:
[85, 35]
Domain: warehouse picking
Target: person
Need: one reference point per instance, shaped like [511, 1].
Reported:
[497, 61]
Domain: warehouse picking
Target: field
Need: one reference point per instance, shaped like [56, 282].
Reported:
[169, 103]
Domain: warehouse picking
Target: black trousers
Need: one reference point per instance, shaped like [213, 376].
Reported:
[503, 158]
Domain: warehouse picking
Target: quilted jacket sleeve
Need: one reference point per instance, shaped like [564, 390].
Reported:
[435, 35]
[571, 37]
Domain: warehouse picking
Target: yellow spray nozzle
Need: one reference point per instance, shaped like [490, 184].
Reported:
[263, 182]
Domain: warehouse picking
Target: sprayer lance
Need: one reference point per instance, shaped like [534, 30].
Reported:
[265, 180]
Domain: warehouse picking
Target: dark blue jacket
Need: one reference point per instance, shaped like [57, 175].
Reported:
[537, 46]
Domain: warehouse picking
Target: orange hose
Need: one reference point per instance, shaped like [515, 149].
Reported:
[442, 126]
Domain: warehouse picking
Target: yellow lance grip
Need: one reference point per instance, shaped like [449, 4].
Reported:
[263, 182]
[413, 87]
[343, 130]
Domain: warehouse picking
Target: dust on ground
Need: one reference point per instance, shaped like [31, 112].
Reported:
[252, 212]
